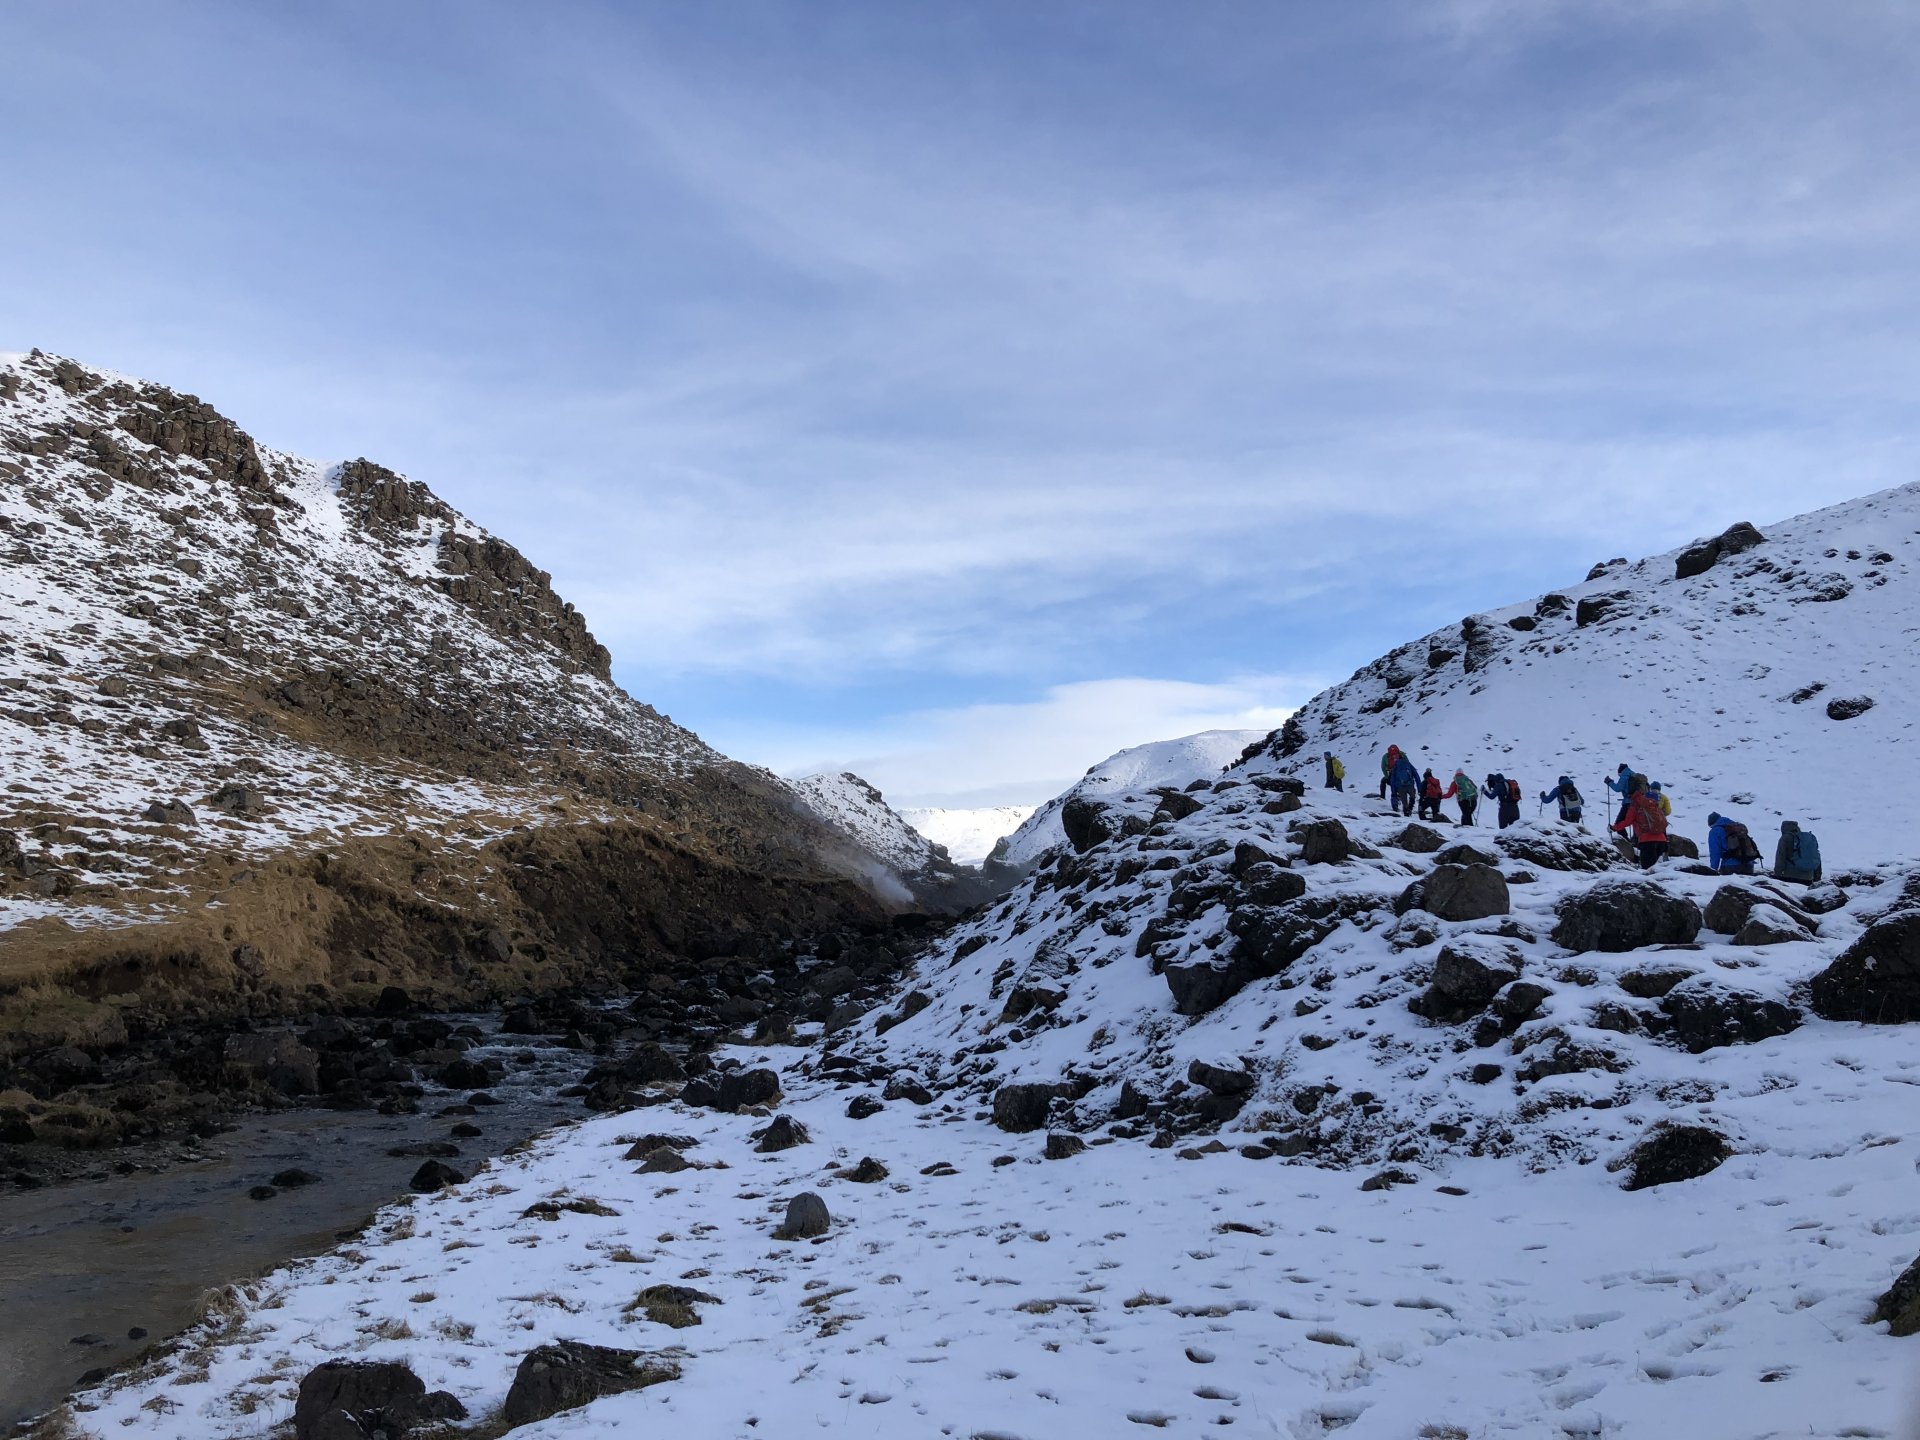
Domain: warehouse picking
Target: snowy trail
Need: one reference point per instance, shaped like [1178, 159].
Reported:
[1121, 1287]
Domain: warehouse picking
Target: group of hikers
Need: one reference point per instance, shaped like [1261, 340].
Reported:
[1643, 813]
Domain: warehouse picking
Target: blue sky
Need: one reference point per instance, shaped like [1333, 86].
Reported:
[958, 393]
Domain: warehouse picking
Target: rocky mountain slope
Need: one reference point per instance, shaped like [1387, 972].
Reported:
[1138, 769]
[915, 866]
[1254, 1104]
[271, 728]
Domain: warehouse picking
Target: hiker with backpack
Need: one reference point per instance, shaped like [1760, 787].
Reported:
[1568, 797]
[1430, 797]
[1797, 856]
[1336, 772]
[1468, 793]
[1404, 780]
[1622, 785]
[1731, 849]
[1386, 768]
[1505, 794]
[1649, 826]
[1660, 798]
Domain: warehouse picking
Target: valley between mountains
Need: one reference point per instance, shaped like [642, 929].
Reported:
[1213, 1101]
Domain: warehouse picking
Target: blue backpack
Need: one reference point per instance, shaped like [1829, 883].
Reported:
[1805, 854]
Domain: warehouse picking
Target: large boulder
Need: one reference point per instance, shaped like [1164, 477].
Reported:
[1594, 609]
[1877, 978]
[567, 1374]
[1220, 1079]
[1270, 938]
[1465, 980]
[1702, 555]
[1325, 842]
[1707, 1013]
[807, 1217]
[1463, 854]
[1625, 915]
[1418, 840]
[1089, 822]
[732, 1089]
[1900, 1306]
[1557, 847]
[1023, 1106]
[364, 1397]
[279, 1059]
[1673, 1153]
[1466, 892]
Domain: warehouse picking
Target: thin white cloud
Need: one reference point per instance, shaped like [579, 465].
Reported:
[1019, 752]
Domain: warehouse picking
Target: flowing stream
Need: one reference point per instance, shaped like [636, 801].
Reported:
[86, 1266]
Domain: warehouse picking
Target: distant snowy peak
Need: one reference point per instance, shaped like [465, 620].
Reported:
[968, 835]
[1176, 763]
[856, 808]
[1766, 671]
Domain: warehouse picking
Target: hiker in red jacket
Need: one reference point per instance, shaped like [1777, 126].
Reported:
[1430, 795]
[1643, 817]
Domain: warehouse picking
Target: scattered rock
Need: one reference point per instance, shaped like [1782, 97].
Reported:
[369, 1396]
[1061, 1146]
[732, 1090]
[1021, 1107]
[1650, 982]
[1675, 1152]
[868, 1172]
[1465, 982]
[1220, 1079]
[1325, 842]
[1462, 854]
[783, 1134]
[1594, 609]
[862, 1107]
[1849, 707]
[169, 812]
[1900, 1306]
[295, 1179]
[807, 1217]
[1417, 839]
[1466, 892]
[1625, 915]
[435, 1175]
[1767, 925]
[1877, 978]
[1706, 1013]
[567, 1374]
[1702, 555]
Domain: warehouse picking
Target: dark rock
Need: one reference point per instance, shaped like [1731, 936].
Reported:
[1673, 1153]
[807, 1217]
[905, 1087]
[356, 1388]
[1132, 1104]
[1680, 847]
[1521, 1001]
[1849, 707]
[1727, 911]
[732, 1090]
[465, 1075]
[1650, 982]
[1463, 854]
[238, 800]
[1767, 925]
[783, 1134]
[1465, 982]
[1557, 847]
[1246, 855]
[868, 1172]
[294, 1179]
[435, 1175]
[169, 812]
[1593, 609]
[1900, 1306]
[1220, 1079]
[1175, 805]
[1022, 1107]
[1702, 555]
[1325, 842]
[1625, 915]
[1418, 840]
[1485, 1073]
[1466, 892]
[1388, 1179]
[1877, 978]
[1089, 822]
[1272, 885]
[262, 1192]
[1062, 1147]
[1706, 1014]
[15, 1127]
[568, 1374]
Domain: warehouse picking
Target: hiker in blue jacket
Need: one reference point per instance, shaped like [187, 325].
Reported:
[1622, 785]
[1725, 837]
[1404, 779]
[1569, 798]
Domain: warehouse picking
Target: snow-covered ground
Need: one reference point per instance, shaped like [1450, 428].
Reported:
[1177, 762]
[968, 835]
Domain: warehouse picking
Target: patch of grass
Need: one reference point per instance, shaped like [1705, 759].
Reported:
[389, 1330]
[453, 1329]
[1144, 1298]
[670, 1305]
[59, 1424]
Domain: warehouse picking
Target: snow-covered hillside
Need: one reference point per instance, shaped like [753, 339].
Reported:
[968, 835]
[1140, 768]
[1744, 688]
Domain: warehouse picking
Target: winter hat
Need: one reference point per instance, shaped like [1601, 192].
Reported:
[1713, 817]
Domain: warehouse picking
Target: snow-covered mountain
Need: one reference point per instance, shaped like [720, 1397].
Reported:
[968, 835]
[1139, 768]
[259, 706]
[861, 813]
[1768, 674]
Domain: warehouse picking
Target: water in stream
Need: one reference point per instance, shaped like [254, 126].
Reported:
[82, 1265]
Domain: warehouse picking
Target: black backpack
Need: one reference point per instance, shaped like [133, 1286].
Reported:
[1739, 843]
